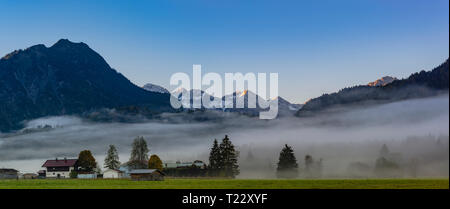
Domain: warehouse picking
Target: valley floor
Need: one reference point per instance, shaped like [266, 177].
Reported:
[185, 183]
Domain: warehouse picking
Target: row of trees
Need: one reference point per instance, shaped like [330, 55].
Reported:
[223, 161]
[138, 158]
[387, 165]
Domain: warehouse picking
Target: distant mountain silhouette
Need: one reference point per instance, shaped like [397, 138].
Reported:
[422, 84]
[66, 78]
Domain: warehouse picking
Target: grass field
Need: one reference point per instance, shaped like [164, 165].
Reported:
[227, 184]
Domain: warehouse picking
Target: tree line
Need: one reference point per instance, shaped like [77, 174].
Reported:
[223, 161]
[138, 159]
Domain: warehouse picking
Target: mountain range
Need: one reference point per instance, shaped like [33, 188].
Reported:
[230, 102]
[72, 79]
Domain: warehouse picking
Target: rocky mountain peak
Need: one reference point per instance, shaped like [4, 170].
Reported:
[382, 81]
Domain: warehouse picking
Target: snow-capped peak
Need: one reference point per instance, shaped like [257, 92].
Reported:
[382, 81]
[243, 93]
[155, 88]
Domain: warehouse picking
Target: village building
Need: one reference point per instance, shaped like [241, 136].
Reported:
[59, 168]
[178, 164]
[8, 173]
[113, 174]
[29, 176]
[86, 175]
[41, 174]
[199, 164]
[125, 169]
[170, 165]
[147, 175]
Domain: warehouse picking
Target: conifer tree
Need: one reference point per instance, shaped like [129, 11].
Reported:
[112, 158]
[229, 156]
[287, 163]
[215, 159]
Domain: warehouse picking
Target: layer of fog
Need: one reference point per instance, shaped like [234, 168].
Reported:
[414, 129]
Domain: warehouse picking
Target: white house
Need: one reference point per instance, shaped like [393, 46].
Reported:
[59, 168]
[113, 174]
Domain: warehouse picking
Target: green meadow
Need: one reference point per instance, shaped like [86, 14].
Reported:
[197, 183]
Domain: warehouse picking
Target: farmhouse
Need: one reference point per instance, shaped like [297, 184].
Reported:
[147, 175]
[8, 173]
[113, 174]
[59, 168]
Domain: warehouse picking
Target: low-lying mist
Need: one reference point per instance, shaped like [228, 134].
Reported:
[348, 142]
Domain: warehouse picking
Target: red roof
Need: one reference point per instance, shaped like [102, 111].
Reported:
[60, 163]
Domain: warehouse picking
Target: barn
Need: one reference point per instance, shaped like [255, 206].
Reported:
[147, 175]
[8, 173]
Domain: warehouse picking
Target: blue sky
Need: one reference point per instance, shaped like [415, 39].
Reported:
[316, 46]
